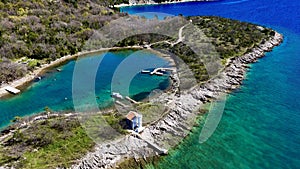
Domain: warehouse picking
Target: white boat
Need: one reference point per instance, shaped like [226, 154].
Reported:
[116, 95]
[159, 73]
[145, 71]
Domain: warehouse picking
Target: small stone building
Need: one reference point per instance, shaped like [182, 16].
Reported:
[134, 121]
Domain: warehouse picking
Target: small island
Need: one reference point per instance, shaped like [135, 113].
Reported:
[58, 140]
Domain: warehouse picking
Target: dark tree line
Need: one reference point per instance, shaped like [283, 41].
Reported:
[47, 30]
[10, 70]
[230, 38]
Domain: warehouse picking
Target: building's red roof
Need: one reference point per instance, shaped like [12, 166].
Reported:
[131, 115]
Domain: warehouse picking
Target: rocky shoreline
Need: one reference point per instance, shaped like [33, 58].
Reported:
[171, 129]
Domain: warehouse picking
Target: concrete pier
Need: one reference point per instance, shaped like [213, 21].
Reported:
[12, 90]
[159, 71]
[131, 100]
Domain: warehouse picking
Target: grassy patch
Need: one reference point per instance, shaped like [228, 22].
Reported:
[151, 112]
[104, 127]
[47, 144]
[33, 63]
[59, 141]
[60, 153]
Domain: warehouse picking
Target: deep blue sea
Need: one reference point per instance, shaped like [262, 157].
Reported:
[54, 90]
[260, 127]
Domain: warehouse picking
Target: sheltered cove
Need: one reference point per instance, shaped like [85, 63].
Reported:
[19, 83]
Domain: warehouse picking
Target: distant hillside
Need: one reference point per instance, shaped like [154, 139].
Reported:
[46, 29]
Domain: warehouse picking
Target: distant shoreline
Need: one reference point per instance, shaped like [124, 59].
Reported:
[161, 3]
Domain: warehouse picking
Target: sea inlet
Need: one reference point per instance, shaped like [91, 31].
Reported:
[54, 88]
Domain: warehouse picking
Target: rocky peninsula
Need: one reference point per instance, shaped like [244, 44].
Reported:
[168, 132]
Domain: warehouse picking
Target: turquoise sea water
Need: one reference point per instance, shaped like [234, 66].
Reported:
[261, 123]
[55, 88]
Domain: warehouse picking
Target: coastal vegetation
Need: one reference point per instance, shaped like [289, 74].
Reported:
[46, 30]
[230, 38]
[50, 143]
[104, 127]
[151, 111]
[10, 71]
[57, 140]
